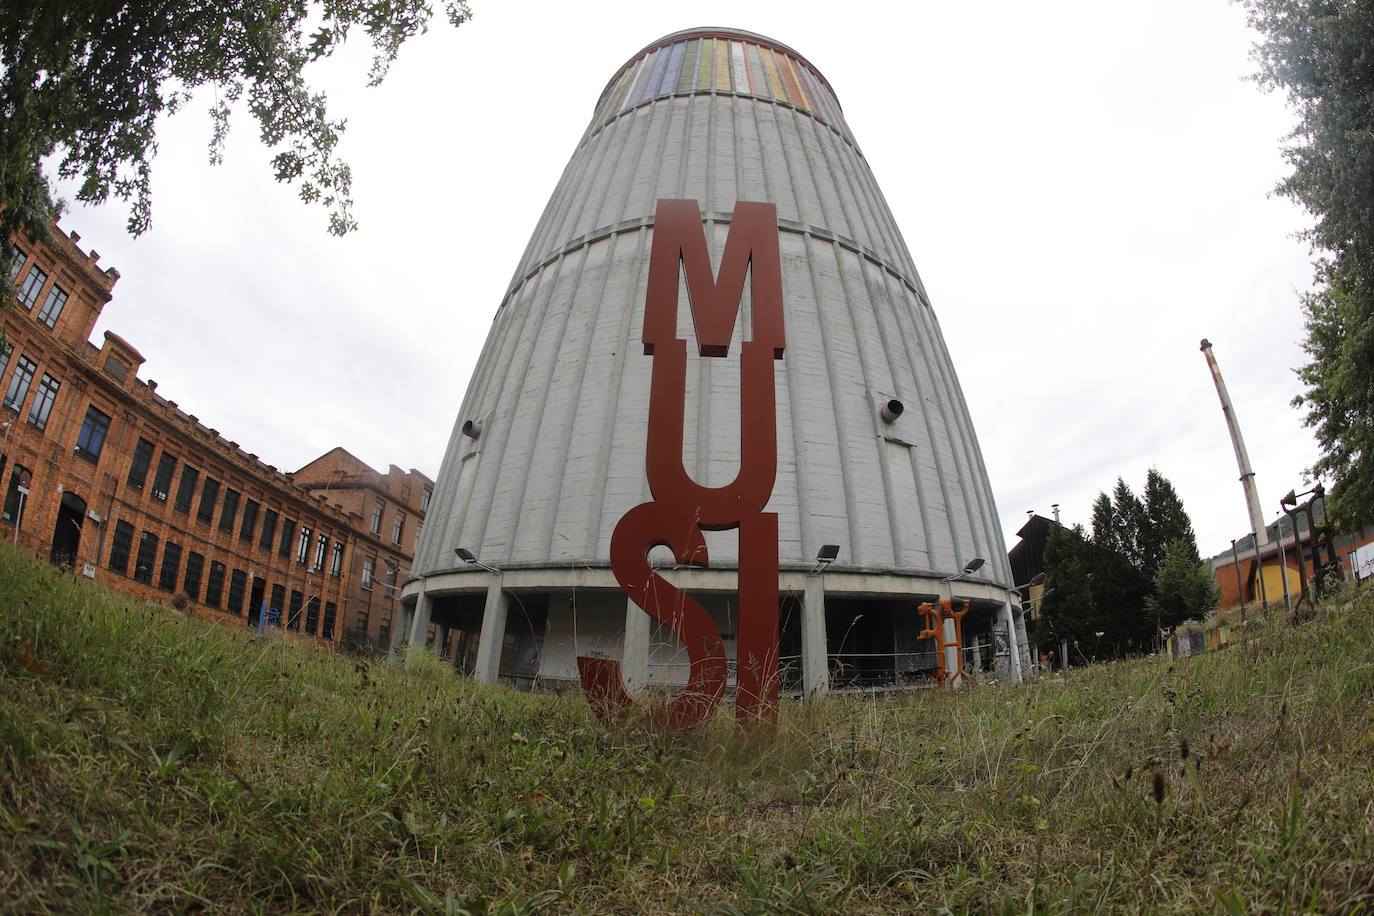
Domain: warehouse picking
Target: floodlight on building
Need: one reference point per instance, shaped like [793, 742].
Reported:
[971, 567]
[470, 558]
[824, 557]
[1037, 579]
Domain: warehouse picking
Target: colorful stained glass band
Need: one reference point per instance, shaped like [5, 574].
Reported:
[710, 62]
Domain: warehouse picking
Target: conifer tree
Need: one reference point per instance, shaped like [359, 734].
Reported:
[1165, 522]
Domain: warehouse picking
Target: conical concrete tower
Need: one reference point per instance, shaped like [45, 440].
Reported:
[876, 453]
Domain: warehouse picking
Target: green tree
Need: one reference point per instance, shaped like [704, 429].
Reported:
[1119, 522]
[1184, 587]
[1112, 581]
[1090, 589]
[1165, 522]
[1319, 53]
[83, 82]
[1068, 610]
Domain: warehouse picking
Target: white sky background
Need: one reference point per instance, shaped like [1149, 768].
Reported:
[1084, 186]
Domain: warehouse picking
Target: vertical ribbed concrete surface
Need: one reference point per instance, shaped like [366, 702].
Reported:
[560, 392]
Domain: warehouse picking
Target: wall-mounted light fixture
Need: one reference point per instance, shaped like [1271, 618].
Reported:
[971, 567]
[467, 556]
[824, 557]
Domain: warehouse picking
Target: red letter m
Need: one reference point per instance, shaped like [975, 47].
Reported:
[752, 244]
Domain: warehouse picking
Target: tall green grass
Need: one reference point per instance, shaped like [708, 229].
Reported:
[167, 763]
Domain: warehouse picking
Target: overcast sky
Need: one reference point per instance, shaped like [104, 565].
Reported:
[1084, 186]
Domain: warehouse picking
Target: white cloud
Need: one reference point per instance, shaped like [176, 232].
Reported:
[1084, 187]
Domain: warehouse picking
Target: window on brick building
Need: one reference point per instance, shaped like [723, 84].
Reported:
[312, 615]
[120, 546]
[331, 611]
[368, 564]
[256, 594]
[138, 468]
[52, 306]
[32, 286]
[425, 495]
[195, 567]
[91, 440]
[11, 508]
[321, 548]
[293, 614]
[278, 600]
[269, 528]
[18, 263]
[397, 529]
[238, 587]
[186, 489]
[43, 401]
[147, 555]
[376, 519]
[336, 565]
[303, 546]
[162, 479]
[250, 520]
[209, 495]
[288, 539]
[231, 509]
[6, 348]
[19, 382]
[171, 564]
[214, 584]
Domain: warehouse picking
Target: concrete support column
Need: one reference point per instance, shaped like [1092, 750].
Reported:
[1013, 642]
[1064, 654]
[634, 653]
[488, 666]
[951, 653]
[419, 621]
[815, 665]
[1018, 615]
[400, 622]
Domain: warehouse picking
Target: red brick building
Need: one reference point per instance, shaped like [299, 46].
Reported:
[107, 476]
[388, 511]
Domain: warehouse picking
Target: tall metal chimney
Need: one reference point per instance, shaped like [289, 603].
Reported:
[1247, 474]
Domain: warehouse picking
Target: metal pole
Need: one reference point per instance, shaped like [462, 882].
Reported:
[18, 518]
[1283, 566]
[1297, 544]
[1259, 574]
[1240, 588]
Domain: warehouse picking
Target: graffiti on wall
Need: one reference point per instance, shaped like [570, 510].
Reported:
[682, 510]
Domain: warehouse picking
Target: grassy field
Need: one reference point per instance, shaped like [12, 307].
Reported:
[151, 761]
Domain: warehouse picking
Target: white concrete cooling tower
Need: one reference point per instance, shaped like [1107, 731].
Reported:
[876, 452]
